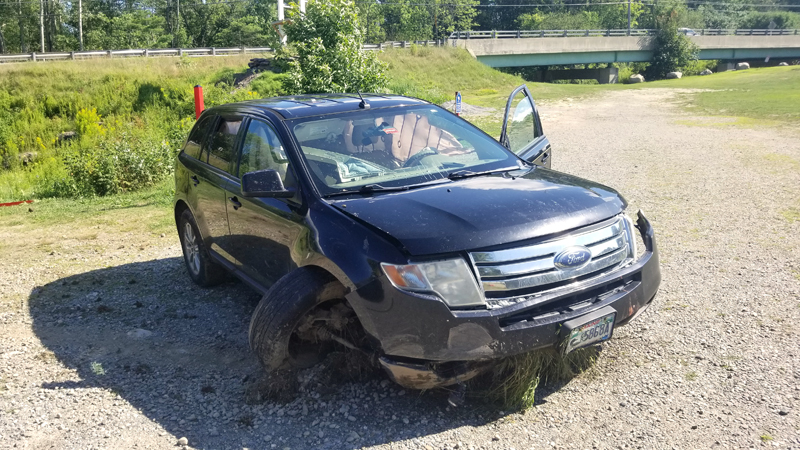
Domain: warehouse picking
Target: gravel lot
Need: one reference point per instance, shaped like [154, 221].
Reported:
[105, 343]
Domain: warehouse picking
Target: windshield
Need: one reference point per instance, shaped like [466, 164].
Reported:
[394, 147]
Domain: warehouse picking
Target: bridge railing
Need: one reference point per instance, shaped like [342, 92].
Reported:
[496, 34]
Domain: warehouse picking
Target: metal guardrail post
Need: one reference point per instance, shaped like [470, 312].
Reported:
[72, 56]
[33, 56]
[146, 52]
[110, 55]
[494, 34]
[244, 50]
[213, 51]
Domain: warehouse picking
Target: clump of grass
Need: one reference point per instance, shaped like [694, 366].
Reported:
[97, 368]
[513, 382]
[691, 376]
[766, 437]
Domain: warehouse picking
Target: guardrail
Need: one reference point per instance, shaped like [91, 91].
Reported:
[131, 53]
[611, 33]
[192, 52]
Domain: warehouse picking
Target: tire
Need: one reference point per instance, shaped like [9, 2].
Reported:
[202, 269]
[274, 324]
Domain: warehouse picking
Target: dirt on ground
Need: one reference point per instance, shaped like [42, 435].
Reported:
[105, 342]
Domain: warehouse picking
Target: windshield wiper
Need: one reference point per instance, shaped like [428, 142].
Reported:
[370, 188]
[460, 174]
[367, 188]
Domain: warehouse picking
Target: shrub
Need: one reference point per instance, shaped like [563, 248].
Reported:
[761, 20]
[327, 41]
[88, 123]
[268, 84]
[695, 67]
[120, 163]
[671, 50]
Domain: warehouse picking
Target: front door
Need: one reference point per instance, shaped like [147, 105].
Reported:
[264, 231]
[522, 129]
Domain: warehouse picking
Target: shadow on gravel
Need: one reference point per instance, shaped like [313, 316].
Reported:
[179, 354]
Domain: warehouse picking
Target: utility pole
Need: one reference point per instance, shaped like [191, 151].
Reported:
[629, 17]
[22, 44]
[178, 20]
[80, 22]
[41, 25]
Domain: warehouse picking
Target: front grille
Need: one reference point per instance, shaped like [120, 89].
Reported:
[531, 269]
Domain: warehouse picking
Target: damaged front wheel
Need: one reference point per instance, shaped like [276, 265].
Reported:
[299, 320]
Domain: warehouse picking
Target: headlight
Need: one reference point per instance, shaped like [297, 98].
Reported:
[450, 279]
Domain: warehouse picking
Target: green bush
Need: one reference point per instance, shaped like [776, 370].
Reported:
[761, 20]
[119, 163]
[268, 84]
[672, 50]
[88, 123]
[327, 42]
[628, 69]
[695, 67]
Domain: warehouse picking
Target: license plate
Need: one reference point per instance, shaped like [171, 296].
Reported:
[591, 332]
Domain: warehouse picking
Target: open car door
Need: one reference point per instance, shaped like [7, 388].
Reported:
[522, 129]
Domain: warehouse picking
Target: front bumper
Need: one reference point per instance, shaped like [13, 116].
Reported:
[413, 328]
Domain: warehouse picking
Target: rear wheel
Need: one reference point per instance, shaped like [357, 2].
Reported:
[202, 269]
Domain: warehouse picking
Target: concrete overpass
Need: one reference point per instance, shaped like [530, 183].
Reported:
[505, 49]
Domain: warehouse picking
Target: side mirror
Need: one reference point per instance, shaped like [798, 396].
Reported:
[264, 183]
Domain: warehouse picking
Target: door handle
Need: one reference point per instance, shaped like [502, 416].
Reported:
[195, 180]
[545, 157]
[236, 203]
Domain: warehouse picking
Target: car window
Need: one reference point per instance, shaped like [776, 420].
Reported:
[262, 149]
[393, 147]
[198, 133]
[222, 142]
[522, 128]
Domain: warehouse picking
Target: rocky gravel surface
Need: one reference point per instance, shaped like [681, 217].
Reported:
[105, 343]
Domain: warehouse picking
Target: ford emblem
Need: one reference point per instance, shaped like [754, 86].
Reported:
[573, 257]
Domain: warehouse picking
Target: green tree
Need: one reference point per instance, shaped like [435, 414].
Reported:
[615, 17]
[781, 19]
[672, 50]
[325, 53]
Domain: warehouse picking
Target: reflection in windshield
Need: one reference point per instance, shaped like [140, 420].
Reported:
[393, 147]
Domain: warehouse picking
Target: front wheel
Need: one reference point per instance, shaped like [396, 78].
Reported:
[299, 319]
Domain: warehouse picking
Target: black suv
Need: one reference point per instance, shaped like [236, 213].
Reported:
[389, 225]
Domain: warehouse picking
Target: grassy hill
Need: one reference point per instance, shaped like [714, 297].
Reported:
[132, 114]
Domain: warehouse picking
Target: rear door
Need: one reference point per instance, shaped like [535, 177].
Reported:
[214, 177]
[522, 129]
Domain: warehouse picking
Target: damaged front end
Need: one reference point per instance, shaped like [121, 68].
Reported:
[424, 375]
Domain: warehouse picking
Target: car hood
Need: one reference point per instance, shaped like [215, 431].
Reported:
[480, 212]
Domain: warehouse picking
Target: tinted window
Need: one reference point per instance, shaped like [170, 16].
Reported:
[262, 149]
[195, 140]
[221, 145]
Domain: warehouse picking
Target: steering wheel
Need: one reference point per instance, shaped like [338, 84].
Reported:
[419, 156]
